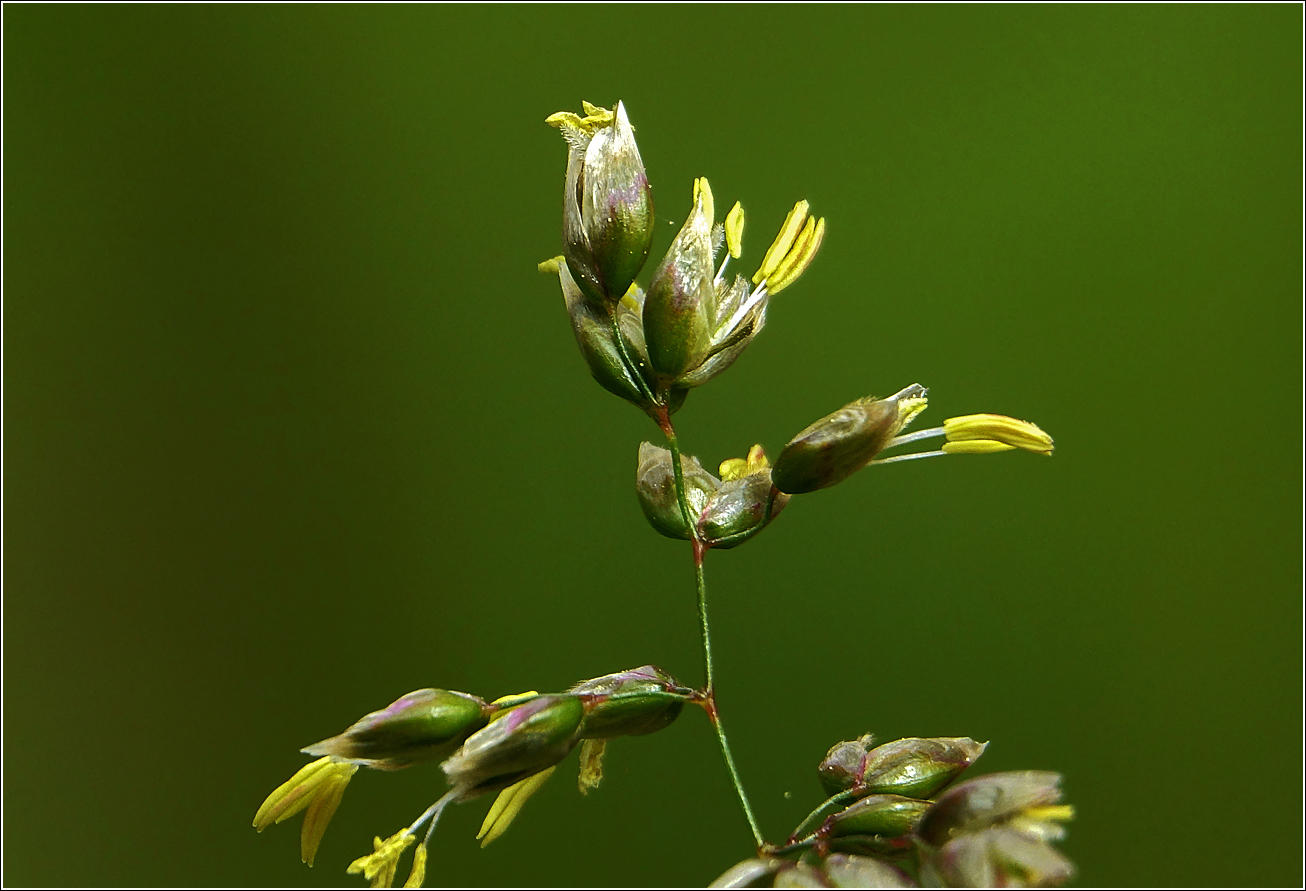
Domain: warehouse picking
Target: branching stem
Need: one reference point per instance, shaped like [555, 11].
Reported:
[709, 703]
[712, 712]
[663, 418]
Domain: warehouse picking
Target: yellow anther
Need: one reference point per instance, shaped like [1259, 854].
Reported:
[560, 119]
[975, 447]
[737, 468]
[780, 247]
[735, 230]
[320, 812]
[551, 265]
[733, 469]
[1000, 428]
[504, 700]
[595, 117]
[1057, 812]
[799, 258]
[418, 874]
[509, 804]
[293, 795]
[317, 787]
[380, 866]
[591, 764]
[703, 193]
[505, 704]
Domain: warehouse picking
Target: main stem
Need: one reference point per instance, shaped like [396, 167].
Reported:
[700, 550]
[711, 697]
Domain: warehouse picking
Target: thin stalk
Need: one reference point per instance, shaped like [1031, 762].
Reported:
[631, 367]
[700, 550]
[832, 805]
[711, 695]
[791, 848]
[911, 457]
[678, 474]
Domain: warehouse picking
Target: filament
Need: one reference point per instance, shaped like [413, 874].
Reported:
[911, 457]
[913, 437]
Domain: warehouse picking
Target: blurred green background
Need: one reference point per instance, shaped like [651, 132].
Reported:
[293, 426]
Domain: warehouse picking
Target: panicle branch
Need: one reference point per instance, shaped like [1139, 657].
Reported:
[893, 815]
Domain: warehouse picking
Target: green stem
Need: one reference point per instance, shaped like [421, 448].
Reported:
[700, 550]
[678, 474]
[791, 848]
[634, 370]
[824, 810]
